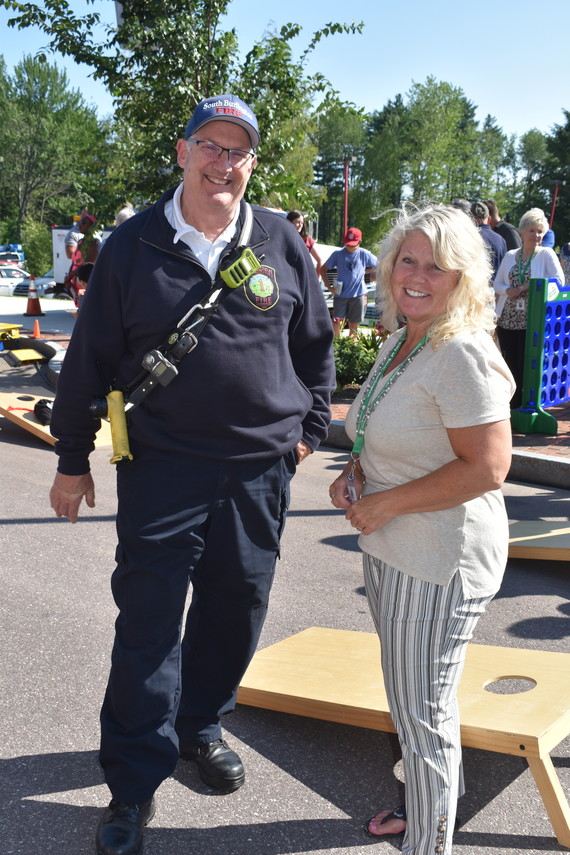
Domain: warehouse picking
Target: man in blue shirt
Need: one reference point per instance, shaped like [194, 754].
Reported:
[496, 245]
[350, 296]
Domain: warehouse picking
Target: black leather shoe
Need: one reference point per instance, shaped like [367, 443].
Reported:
[120, 831]
[218, 766]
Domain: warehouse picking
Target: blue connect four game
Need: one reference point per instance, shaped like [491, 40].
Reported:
[547, 357]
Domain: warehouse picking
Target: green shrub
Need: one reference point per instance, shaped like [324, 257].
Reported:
[37, 243]
[355, 357]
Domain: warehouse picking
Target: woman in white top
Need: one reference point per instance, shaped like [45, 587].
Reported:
[432, 446]
[518, 267]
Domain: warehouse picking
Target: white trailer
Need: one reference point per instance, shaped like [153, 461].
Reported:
[61, 262]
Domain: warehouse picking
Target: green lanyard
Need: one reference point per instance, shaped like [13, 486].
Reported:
[522, 270]
[370, 399]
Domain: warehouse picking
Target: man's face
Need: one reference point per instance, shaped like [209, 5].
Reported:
[351, 248]
[214, 185]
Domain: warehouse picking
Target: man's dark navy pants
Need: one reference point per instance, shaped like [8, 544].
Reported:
[215, 525]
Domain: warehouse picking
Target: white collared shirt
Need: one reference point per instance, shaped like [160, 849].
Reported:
[206, 251]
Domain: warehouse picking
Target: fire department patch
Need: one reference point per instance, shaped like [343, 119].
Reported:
[262, 289]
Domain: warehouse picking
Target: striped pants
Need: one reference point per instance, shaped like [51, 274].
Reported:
[424, 630]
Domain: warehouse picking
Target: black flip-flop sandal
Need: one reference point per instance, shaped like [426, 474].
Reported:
[399, 813]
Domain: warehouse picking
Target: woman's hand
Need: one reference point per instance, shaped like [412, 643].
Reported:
[341, 489]
[515, 292]
[371, 512]
[365, 514]
[338, 491]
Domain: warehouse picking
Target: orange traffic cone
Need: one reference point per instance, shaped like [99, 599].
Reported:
[33, 308]
[36, 333]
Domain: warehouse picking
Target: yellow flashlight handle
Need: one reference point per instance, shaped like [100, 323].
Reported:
[118, 421]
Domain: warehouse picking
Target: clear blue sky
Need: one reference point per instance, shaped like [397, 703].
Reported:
[510, 58]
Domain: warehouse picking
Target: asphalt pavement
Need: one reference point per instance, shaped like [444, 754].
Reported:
[310, 784]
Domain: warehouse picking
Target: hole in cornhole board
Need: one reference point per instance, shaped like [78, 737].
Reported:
[510, 685]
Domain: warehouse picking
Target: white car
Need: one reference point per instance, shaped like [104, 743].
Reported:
[10, 277]
[42, 284]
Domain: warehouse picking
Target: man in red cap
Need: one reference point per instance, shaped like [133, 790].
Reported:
[350, 297]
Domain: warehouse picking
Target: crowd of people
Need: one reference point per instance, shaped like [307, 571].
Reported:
[202, 500]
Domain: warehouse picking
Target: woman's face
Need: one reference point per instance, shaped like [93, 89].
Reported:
[419, 287]
[532, 236]
[298, 223]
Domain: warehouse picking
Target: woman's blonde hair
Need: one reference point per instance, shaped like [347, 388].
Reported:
[457, 246]
[534, 217]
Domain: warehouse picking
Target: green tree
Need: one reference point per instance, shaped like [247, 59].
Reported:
[381, 177]
[508, 196]
[491, 160]
[532, 152]
[49, 140]
[463, 154]
[340, 138]
[165, 56]
[273, 82]
[557, 174]
[37, 240]
[440, 139]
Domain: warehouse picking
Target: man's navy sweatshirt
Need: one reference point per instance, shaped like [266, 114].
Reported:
[260, 377]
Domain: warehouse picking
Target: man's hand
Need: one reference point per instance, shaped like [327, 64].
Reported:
[302, 450]
[68, 491]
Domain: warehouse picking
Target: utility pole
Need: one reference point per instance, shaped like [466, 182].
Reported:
[347, 160]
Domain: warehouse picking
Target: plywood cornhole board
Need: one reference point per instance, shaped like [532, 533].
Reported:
[540, 539]
[335, 675]
[18, 407]
[22, 356]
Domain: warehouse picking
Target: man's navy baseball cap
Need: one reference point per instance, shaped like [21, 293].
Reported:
[224, 108]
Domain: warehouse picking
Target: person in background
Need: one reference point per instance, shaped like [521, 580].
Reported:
[507, 231]
[549, 239]
[297, 219]
[72, 238]
[75, 234]
[518, 267]
[350, 297]
[462, 205]
[126, 212]
[204, 500]
[85, 250]
[495, 243]
[77, 248]
[432, 446]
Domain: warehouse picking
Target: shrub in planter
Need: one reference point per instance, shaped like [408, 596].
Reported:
[355, 357]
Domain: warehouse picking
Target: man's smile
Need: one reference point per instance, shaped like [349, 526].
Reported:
[221, 181]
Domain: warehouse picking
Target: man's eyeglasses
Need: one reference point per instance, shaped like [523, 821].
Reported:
[210, 151]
